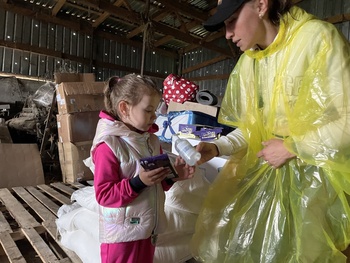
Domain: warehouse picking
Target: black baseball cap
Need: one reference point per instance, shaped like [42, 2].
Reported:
[225, 9]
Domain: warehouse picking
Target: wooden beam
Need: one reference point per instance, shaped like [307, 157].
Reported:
[204, 64]
[43, 51]
[209, 38]
[189, 48]
[145, 34]
[20, 76]
[156, 17]
[160, 15]
[85, 8]
[338, 18]
[115, 10]
[126, 4]
[58, 7]
[124, 40]
[163, 40]
[100, 19]
[77, 26]
[215, 35]
[204, 40]
[164, 29]
[186, 9]
[192, 24]
[182, 23]
[128, 69]
[122, 13]
[106, 14]
[211, 77]
[81, 26]
[188, 38]
[135, 32]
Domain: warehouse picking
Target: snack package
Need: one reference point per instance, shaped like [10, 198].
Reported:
[162, 160]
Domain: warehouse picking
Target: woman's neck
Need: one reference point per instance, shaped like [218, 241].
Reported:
[270, 36]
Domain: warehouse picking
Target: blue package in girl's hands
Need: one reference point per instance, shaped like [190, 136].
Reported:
[162, 160]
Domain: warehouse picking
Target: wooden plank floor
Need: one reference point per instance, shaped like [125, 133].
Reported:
[28, 231]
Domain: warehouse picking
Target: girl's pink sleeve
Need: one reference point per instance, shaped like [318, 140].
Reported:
[111, 189]
[167, 184]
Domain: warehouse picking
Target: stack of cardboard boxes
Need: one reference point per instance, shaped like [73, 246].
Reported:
[79, 101]
[20, 164]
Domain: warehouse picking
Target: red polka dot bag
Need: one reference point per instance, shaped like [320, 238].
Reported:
[178, 89]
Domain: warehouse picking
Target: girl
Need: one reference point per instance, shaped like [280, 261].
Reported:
[131, 199]
[283, 196]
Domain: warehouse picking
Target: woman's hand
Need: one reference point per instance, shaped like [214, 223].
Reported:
[275, 153]
[207, 151]
[155, 176]
[183, 170]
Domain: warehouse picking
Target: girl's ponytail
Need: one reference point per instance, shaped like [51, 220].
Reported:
[108, 91]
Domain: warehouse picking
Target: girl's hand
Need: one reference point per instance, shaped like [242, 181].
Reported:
[183, 170]
[153, 177]
[275, 153]
[207, 151]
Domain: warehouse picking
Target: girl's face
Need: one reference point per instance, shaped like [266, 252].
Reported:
[244, 27]
[142, 115]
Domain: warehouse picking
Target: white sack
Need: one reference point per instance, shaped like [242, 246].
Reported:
[178, 252]
[80, 218]
[64, 209]
[188, 195]
[179, 221]
[86, 198]
[87, 248]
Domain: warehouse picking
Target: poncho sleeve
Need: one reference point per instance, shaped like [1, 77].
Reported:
[319, 122]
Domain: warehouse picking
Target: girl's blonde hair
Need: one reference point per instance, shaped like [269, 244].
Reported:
[130, 88]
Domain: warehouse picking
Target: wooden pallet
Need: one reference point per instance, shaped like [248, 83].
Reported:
[28, 231]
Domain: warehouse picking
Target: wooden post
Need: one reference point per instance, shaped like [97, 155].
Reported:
[145, 34]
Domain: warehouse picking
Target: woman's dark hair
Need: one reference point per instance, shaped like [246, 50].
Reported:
[277, 9]
[130, 88]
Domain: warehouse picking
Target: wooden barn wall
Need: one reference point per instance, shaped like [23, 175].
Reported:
[24, 40]
[321, 8]
[215, 84]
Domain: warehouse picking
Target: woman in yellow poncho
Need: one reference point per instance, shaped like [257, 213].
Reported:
[282, 196]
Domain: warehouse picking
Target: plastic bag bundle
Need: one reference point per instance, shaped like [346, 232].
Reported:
[254, 217]
[44, 95]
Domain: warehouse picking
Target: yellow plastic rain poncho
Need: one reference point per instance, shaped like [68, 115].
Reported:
[297, 89]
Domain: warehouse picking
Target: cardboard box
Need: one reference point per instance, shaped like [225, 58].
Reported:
[71, 156]
[169, 124]
[193, 106]
[74, 77]
[79, 97]
[20, 165]
[5, 136]
[77, 127]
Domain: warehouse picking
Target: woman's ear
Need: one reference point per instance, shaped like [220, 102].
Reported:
[263, 7]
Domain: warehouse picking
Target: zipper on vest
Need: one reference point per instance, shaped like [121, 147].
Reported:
[150, 150]
[154, 238]
[154, 235]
